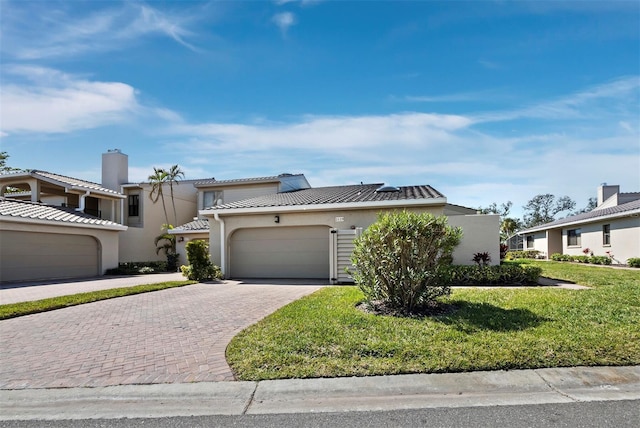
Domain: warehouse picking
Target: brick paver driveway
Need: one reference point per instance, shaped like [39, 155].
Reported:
[174, 335]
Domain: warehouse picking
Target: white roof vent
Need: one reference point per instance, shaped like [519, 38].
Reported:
[387, 189]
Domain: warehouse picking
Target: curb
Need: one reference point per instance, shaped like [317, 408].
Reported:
[414, 391]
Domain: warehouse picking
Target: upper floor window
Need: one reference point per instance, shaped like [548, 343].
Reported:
[134, 205]
[530, 241]
[211, 198]
[606, 234]
[573, 237]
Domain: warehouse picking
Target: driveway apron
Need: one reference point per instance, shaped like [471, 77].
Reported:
[171, 336]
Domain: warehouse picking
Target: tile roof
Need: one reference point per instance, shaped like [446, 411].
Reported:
[335, 195]
[271, 178]
[192, 226]
[62, 181]
[621, 210]
[39, 211]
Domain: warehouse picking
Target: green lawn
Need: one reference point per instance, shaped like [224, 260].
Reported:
[25, 308]
[325, 335]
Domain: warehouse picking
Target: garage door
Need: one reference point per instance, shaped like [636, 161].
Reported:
[280, 252]
[26, 256]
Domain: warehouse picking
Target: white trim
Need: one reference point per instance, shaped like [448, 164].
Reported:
[175, 231]
[324, 207]
[223, 255]
[630, 213]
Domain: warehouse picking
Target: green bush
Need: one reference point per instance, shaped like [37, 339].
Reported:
[401, 259]
[560, 257]
[634, 262]
[528, 254]
[135, 268]
[507, 274]
[600, 260]
[200, 267]
[580, 259]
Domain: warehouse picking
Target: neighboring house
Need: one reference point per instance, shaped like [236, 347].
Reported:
[308, 233]
[612, 228]
[39, 241]
[54, 226]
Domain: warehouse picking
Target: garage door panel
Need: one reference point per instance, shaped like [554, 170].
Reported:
[280, 252]
[31, 256]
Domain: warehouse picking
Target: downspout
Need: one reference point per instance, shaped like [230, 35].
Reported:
[223, 261]
[82, 203]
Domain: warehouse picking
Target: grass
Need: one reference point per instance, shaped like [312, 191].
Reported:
[325, 335]
[25, 308]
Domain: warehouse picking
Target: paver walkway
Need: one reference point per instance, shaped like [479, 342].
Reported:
[171, 336]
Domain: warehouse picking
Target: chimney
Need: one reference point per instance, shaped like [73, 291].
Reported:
[115, 169]
[605, 192]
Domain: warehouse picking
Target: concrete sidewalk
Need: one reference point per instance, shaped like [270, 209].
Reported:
[491, 388]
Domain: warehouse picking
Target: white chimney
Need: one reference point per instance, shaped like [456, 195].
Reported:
[115, 169]
[605, 192]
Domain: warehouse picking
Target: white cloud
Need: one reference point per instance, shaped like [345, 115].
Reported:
[54, 102]
[456, 97]
[620, 96]
[284, 20]
[62, 33]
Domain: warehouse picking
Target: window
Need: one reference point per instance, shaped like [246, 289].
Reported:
[606, 234]
[573, 237]
[211, 199]
[530, 241]
[134, 205]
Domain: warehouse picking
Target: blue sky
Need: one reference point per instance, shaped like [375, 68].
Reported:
[484, 100]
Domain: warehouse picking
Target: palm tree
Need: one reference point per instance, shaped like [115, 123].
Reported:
[157, 180]
[173, 174]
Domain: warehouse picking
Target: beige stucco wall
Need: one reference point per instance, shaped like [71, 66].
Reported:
[107, 240]
[625, 239]
[481, 232]
[136, 244]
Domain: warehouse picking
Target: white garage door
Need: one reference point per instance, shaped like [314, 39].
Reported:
[280, 252]
[26, 256]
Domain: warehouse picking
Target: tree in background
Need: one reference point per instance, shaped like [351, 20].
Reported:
[544, 208]
[4, 168]
[173, 175]
[157, 181]
[508, 225]
[591, 205]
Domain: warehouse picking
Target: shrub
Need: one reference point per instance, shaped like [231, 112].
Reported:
[401, 259]
[482, 259]
[504, 248]
[560, 257]
[580, 259]
[200, 267]
[135, 268]
[507, 274]
[529, 254]
[634, 262]
[600, 260]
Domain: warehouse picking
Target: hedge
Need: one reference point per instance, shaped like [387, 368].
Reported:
[494, 275]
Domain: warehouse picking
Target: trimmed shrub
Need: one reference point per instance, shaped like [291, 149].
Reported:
[529, 254]
[200, 267]
[401, 260]
[600, 260]
[136, 268]
[507, 274]
[634, 262]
